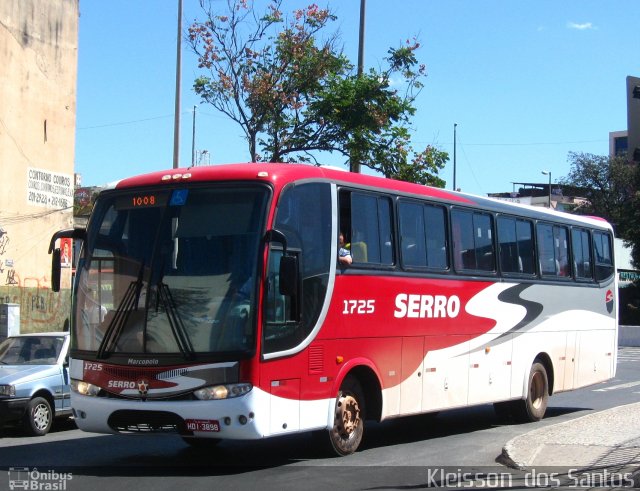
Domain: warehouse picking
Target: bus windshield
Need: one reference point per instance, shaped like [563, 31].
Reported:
[170, 272]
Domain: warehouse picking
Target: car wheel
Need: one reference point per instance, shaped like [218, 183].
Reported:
[38, 417]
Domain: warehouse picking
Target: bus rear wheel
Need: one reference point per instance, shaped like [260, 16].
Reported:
[348, 424]
[535, 405]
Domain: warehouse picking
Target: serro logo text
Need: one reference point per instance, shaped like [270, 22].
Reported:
[426, 306]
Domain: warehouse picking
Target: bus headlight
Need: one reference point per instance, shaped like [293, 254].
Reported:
[7, 390]
[227, 391]
[84, 388]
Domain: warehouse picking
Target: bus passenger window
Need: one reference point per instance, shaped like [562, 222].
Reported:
[423, 235]
[412, 234]
[473, 241]
[371, 232]
[581, 254]
[561, 243]
[553, 250]
[603, 257]
[546, 251]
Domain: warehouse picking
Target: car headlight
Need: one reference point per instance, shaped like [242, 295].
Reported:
[227, 391]
[84, 388]
[7, 390]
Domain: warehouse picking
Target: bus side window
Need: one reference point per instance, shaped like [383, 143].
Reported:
[474, 250]
[371, 229]
[603, 257]
[581, 254]
[546, 251]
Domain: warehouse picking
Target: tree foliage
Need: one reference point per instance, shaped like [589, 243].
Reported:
[296, 95]
[611, 185]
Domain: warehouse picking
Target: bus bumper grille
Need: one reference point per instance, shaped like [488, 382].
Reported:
[132, 421]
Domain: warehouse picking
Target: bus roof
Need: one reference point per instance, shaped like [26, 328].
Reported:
[278, 175]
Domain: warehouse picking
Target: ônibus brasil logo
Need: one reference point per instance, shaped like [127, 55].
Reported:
[50, 480]
[609, 301]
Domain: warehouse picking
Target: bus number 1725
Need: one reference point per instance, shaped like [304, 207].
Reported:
[359, 307]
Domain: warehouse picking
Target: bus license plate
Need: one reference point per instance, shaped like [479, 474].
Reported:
[203, 425]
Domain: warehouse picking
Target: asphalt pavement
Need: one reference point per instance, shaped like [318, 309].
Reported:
[608, 439]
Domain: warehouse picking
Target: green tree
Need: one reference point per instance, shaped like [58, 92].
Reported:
[295, 96]
[611, 185]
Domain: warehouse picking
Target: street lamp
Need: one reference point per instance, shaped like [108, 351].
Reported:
[548, 172]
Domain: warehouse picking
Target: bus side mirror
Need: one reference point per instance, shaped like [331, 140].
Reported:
[55, 269]
[56, 272]
[289, 276]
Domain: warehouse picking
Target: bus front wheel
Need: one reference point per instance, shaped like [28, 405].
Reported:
[348, 424]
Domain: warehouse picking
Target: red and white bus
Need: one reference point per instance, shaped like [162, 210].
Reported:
[210, 302]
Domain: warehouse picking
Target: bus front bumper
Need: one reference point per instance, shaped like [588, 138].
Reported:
[240, 418]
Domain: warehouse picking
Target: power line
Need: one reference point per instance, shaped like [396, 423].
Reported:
[12, 220]
[152, 118]
[521, 144]
[466, 158]
[122, 123]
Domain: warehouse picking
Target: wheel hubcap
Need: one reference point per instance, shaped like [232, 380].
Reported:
[41, 416]
[537, 390]
[348, 415]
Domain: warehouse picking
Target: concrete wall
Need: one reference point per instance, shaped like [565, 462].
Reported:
[38, 60]
[629, 336]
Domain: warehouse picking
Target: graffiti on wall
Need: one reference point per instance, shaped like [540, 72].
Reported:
[41, 309]
[4, 240]
[6, 265]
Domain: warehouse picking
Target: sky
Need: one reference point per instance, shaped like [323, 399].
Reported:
[525, 81]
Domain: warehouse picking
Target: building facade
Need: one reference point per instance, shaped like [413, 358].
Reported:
[38, 56]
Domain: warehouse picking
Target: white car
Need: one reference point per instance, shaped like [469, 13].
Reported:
[34, 380]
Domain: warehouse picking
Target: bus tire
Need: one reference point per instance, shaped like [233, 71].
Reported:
[535, 405]
[38, 417]
[348, 425]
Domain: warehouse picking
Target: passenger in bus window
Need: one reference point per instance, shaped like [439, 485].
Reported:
[344, 254]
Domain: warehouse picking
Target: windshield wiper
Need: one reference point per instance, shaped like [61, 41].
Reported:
[175, 321]
[119, 320]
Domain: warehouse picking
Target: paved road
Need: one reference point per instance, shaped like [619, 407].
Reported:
[400, 454]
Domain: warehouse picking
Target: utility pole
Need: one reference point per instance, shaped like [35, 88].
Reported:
[455, 125]
[548, 172]
[363, 6]
[176, 117]
[355, 166]
[193, 139]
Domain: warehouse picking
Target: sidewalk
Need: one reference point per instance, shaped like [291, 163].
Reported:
[607, 439]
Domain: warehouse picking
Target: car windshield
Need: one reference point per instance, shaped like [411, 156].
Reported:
[171, 272]
[31, 350]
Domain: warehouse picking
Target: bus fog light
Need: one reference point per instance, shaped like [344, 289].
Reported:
[216, 392]
[84, 388]
[242, 419]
